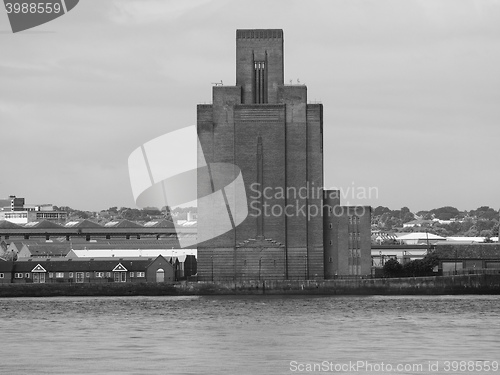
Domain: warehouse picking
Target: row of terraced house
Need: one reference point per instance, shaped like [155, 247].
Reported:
[152, 270]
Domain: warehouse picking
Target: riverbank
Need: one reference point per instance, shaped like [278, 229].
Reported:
[438, 285]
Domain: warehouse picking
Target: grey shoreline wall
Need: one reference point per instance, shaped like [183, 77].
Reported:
[439, 285]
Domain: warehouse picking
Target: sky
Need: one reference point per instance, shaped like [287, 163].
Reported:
[410, 89]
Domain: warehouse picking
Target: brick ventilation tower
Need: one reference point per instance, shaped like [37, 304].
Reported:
[268, 130]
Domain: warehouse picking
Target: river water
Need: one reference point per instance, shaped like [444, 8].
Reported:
[250, 335]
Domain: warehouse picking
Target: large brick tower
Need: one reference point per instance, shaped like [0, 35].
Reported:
[267, 130]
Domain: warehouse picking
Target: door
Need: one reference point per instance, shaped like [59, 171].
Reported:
[160, 276]
[38, 278]
[120, 277]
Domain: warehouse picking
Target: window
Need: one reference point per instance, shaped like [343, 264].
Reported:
[71, 275]
[260, 84]
[87, 274]
[79, 277]
[27, 275]
[51, 275]
[140, 274]
[18, 275]
[131, 274]
[1, 275]
[108, 274]
[60, 275]
[99, 274]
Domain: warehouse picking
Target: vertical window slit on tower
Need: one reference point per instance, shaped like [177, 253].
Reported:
[259, 82]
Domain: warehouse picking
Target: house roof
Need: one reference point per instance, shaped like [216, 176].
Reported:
[159, 224]
[132, 253]
[384, 236]
[468, 251]
[127, 244]
[83, 266]
[4, 224]
[82, 224]
[420, 236]
[6, 266]
[122, 224]
[43, 224]
[185, 223]
[49, 249]
[17, 244]
[20, 242]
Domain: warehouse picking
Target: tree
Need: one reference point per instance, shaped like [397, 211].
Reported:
[392, 268]
[380, 210]
[482, 225]
[472, 232]
[6, 254]
[80, 214]
[494, 230]
[421, 267]
[485, 212]
[408, 217]
[405, 210]
[466, 225]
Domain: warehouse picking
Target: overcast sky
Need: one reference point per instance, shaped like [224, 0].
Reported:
[411, 93]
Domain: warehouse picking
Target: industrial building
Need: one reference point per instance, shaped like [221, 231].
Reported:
[269, 132]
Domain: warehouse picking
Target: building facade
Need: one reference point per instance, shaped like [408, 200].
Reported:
[16, 211]
[269, 131]
[153, 270]
[346, 238]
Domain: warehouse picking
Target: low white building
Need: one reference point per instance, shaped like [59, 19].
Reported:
[419, 238]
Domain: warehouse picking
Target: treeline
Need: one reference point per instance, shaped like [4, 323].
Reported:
[484, 221]
[122, 213]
